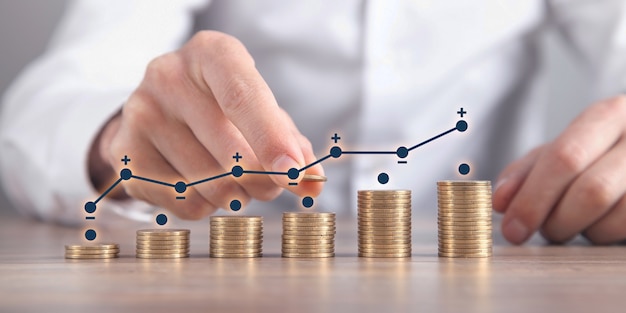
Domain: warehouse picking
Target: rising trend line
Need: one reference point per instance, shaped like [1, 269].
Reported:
[238, 171]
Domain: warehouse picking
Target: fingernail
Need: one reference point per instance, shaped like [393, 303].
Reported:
[284, 163]
[515, 231]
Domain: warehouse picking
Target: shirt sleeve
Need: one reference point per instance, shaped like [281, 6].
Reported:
[596, 30]
[57, 106]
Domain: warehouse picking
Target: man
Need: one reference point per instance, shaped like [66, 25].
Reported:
[380, 74]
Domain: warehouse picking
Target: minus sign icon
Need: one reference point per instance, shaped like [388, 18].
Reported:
[90, 217]
[293, 184]
[402, 162]
[180, 198]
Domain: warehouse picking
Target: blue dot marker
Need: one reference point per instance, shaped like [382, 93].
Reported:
[402, 152]
[90, 234]
[307, 202]
[90, 207]
[235, 205]
[335, 152]
[237, 171]
[383, 178]
[293, 173]
[161, 219]
[461, 126]
[464, 169]
[180, 187]
[126, 174]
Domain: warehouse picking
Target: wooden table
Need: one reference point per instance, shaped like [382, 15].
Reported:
[34, 276]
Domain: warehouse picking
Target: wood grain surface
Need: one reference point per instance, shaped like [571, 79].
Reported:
[35, 277]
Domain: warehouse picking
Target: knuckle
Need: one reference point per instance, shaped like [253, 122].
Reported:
[238, 96]
[570, 157]
[165, 73]
[141, 110]
[600, 191]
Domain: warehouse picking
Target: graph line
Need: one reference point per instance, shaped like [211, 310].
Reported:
[238, 171]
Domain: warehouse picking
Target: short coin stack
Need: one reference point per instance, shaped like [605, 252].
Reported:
[384, 223]
[92, 251]
[163, 243]
[308, 235]
[236, 237]
[464, 219]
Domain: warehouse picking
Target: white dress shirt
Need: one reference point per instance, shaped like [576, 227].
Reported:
[381, 74]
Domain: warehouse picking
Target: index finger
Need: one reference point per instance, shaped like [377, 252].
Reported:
[247, 101]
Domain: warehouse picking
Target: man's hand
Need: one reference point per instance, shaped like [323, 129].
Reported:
[575, 184]
[195, 108]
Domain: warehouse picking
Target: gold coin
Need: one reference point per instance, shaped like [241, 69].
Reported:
[236, 255]
[404, 223]
[165, 252]
[307, 239]
[308, 255]
[163, 232]
[313, 178]
[384, 237]
[383, 192]
[308, 250]
[309, 225]
[384, 255]
[475, 223]
[384, 242]
[234, 252]
[162, 256]
[305, 243]
[91, 251]
[235, 222]
[464, 255]
[99, 246]
[91, 256]
[397, 248]
[309, 214]
[231, 240]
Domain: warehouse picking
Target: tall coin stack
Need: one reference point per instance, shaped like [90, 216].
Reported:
[162, 243]
[308, 235]
[236, 237]
[464, 219]
[384, 223]
[92, 251]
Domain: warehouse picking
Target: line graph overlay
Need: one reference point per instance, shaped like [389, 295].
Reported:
[293, 173]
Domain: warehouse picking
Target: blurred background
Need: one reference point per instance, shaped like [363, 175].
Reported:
[26, 26]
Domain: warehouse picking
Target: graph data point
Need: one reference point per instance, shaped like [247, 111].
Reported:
[161, 219]
[237, 171]
[293, 173]
[126, 174]
[383, 178]
[90, 234]
[307, 202]
[402, 152]
[235, 205]
[464, 169]
[90, 207]
[461, 126]
[180, 187]
[335, 152]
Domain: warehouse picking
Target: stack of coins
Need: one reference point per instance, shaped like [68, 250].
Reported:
[236, 237]
[384, 223]
[464, 219]
[308, 235]
[92, 251]
[163, 243]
